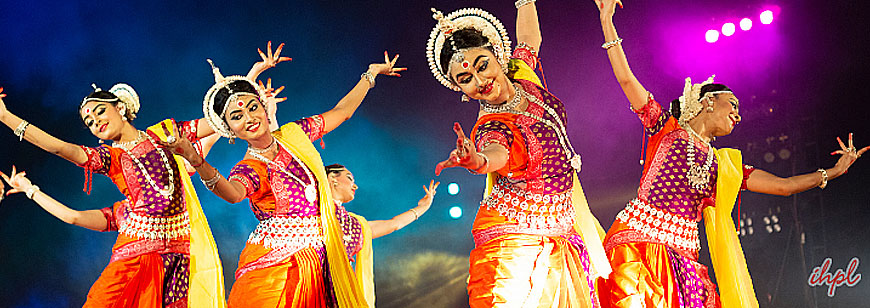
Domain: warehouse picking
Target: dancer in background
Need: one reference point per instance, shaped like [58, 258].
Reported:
[653, 245]
[536, 242]
[160, 223]
[295, 257]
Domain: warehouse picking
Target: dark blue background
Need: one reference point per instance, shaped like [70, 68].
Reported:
[804, 76]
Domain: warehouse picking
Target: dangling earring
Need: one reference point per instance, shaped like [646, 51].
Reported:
[123, 113]
[709, 108]
[465, 98]
[100, 141]
[232, 140]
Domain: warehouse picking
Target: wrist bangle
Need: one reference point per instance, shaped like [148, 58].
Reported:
[19, 131]
[612, 43]
[824, 178]
[416, 215]
[522, 3]
[211, 182]
[30, 191]
[482, 169]
[369, 77]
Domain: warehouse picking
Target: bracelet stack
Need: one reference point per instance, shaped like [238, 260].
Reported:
[416, 215]
[211, 182]
[19, 131]
[369, 77]
[522, 3]
[30, 191]
[824, 178]
[612, 43]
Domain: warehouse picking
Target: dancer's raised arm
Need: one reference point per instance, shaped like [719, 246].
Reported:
[36, 136]
[350, 102]
[767, 183]
[91, 219]
[384, 227]
[635, 92]
[528, 29]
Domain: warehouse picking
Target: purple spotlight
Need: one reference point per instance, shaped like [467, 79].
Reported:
[767, 17]
[712, 36]
[728, 29]
[745, 24]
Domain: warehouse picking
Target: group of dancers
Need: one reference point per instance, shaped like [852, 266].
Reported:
[536, 242]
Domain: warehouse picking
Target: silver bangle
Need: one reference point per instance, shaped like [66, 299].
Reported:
[484, 166]
[211, 183]
[522, 3]
[19, 131]
[824, 178]
[369, 77]
[611, 43]
[416, 215]
[30, 191]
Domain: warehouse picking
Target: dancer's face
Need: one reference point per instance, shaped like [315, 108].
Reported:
[103, 119]
[343, 186]
[725, 115]
[480, 76]
[246, 117]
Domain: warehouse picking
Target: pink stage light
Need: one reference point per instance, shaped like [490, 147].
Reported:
[712, 36]
[745, 24]
[767, 17]
[728, 29]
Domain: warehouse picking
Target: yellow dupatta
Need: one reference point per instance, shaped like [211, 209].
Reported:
[348, 291]
[729, 263]
[364, 261]
[206, 282]
[585, 223]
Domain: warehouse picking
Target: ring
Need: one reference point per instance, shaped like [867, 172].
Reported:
[170, 139]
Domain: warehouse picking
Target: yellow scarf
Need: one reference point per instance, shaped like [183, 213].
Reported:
[348, 290]
[729, 263]
[206, 284]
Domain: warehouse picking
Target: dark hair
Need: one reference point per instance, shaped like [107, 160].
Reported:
[222, 95]
[713, 87]
[465, 38]
[106, 95]
[334, 168]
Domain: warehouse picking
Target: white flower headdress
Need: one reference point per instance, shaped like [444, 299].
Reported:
[214, 119]
[690, 102]
[125, 94]
[467, 18]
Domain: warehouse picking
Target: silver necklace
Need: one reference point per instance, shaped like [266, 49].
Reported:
[504, 107]
[559, 128]
[165, 192]
[310, 190]
[263, 150]
[124, 145]
[698, 174]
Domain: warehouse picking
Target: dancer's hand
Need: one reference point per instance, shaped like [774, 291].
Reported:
[849, 155]
[18, 181]
[426, 201]
[387, 68]
[271, 101]
[3, 110]
[177, 144]
[465, 154]
[606, 8]
[270, 59]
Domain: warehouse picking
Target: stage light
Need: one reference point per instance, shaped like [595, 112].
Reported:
[455, 212]
[728, 29]
[712, 36]
[745, 24]
[750, 230]
[767, 17]
[452, 189]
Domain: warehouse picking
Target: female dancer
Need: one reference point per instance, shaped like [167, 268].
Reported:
[358, 232]
[160, 223]
[653, 245]
[295, 257]
[534, 234]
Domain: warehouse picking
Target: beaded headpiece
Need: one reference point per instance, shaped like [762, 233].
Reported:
[467, 18]
[125, 95]
[690, 102]
[214, 119]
